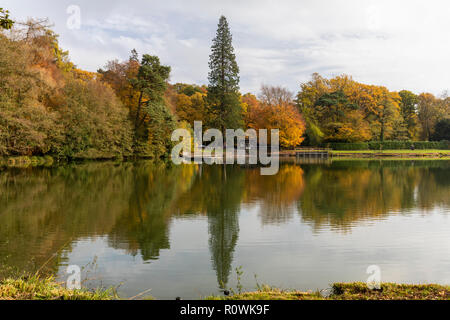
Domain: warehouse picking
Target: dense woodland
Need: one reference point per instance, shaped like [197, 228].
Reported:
[48, 106]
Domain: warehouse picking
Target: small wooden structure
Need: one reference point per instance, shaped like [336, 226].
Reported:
[321, 153]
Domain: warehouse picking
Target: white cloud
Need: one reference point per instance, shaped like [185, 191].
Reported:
[400, 44]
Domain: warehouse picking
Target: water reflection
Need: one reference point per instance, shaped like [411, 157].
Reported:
[342, 194]
[276, 195]
[133, 205]
[143, 227]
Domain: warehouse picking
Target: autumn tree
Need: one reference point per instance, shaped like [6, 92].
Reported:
[275, 95]
[341, 109]
[408, 107]
[142, 86]
[191, 108]
[377, 106]
[387, 113]
[250, 106]
[43, 44]
[27, 127]
[340, 118]
[306, 100]
[288, 120]
[275, 114]
[48, 107]
[118, 75]
[223, 90]
[428, 109]
[96, 125]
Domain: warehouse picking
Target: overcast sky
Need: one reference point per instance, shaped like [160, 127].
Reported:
[399, 44]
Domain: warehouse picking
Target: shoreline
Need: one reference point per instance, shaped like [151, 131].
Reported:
[392, 154]
[350, 291]
[49, 161]
[377, 154]
[36, 288]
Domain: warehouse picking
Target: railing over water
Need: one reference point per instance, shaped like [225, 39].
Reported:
[313, 152]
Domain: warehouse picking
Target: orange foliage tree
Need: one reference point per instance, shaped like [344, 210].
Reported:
[282, 116]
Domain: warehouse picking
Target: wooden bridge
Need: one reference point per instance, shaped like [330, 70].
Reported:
[321, 153]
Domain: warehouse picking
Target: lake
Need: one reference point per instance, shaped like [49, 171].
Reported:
[182, 231]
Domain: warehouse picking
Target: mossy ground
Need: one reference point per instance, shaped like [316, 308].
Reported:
[351, 291]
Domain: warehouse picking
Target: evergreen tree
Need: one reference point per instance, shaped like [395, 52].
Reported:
[152, 120]
[151, 83]
[442, 130]
[223, 90]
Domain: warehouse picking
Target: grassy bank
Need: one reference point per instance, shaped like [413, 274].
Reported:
[35, 288]
[351, 291]
[431, 153]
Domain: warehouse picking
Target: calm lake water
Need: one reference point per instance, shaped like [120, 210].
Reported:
[182, 231]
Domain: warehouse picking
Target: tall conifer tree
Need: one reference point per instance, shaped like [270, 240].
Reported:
[223, 90]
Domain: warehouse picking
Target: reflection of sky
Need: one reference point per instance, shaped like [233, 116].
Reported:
[411, 248]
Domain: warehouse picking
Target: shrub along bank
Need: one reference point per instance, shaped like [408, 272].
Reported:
[390, 145]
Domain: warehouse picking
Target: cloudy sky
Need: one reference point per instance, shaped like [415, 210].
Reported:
[399, 44]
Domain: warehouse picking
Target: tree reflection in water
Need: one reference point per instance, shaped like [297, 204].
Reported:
[132, 205]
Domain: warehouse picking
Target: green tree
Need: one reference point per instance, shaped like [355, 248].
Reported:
[340, 118]
[151, 82]
[442, 130]
[5, 21]
[223, 90]
[153, 122]
[188, 89]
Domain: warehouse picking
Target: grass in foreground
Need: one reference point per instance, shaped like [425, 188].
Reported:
[351, 291]
[390, 291]
[35, 288]
[268, 293]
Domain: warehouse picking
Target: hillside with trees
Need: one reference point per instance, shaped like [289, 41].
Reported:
[48, 106]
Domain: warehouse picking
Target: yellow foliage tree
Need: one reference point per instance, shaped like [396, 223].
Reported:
[191, 108]
[284, 117]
